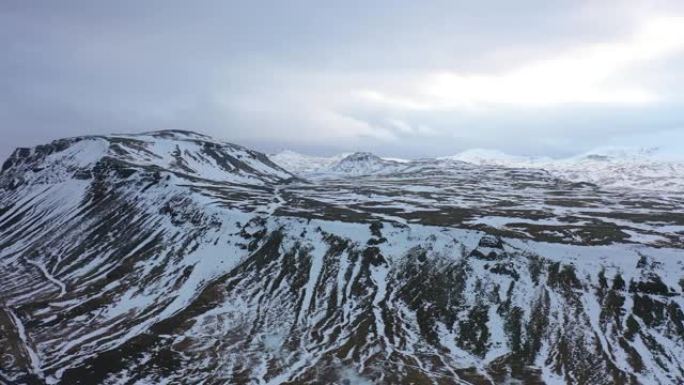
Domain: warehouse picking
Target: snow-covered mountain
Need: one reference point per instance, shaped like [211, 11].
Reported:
[171, 257]
[623, 168]
[363, 163]
[357, 163]
[179, 152]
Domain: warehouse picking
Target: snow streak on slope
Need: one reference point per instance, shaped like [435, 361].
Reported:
[50, 277]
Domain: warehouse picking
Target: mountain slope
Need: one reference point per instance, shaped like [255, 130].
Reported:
[170, 257]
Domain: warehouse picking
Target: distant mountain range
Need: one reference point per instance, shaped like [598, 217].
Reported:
[174, 258]
[641, 168]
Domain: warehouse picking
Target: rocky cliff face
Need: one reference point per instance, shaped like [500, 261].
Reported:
[170, 257]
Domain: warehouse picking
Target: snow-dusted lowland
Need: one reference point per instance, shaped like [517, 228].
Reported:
[173, 258]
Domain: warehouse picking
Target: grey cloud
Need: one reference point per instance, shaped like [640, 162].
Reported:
[276, 74]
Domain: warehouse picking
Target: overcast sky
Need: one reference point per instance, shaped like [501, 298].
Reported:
[400, 78]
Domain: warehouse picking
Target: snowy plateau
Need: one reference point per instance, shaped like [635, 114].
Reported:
[174, 258]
